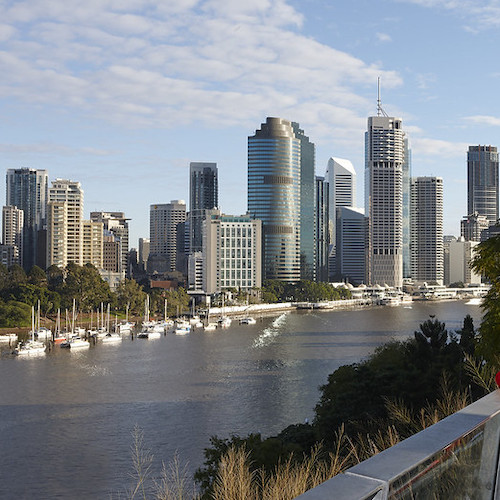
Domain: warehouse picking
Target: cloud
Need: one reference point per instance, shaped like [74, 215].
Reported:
[425, 147]
[484, 120]
[51, 149]
[143, 63]
[383, 37]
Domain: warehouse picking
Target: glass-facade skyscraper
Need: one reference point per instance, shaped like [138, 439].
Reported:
[203, 195]
[274, 196]
[482, 182]
[27, 189]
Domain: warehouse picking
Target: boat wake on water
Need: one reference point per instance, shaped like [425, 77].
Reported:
[270, 333]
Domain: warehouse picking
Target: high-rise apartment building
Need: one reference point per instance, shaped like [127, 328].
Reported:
[426, 246]
[12, 231]
[384, 160]
[26, 189]
[166, 233]
[117, 224]
[461, 254]
[322, 228]
[143, 251]
[274, 196]
[231, 252]
[203, 195]
[482, 182]
[92, 251]
[406, 209]
[65, 223]
[341, 177]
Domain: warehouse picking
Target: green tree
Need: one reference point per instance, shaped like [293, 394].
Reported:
[130, 293]
[84, 283]
[468, 335]
[14, 314]
[487, 263]
[432, 334]
[55, 277]
[16, 275]
[37, 276]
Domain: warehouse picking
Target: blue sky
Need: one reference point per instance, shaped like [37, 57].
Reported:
[122, 94]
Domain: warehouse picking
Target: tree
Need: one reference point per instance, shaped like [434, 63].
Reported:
[129, 293]
[432, 334]
[16, 275]
[37, 276]
[487, 263]
[468, 335]
[14, 314]
[55, 277]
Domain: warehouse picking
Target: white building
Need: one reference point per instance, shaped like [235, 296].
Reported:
[341, 177]
[461, 253]
[12, 231]
[385, 157]
[231, 252]
[195, 270]
[426, 242]
[65, 223]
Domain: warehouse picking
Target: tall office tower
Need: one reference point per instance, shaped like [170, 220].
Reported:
[384, 160]
[203, 195]
[69, 193]
[117, 224]
[143, 251]
[92, 252]
[482, 182]
[322, 228]
[231, 252]
[274, 166]
[57, 234]
[12, 231]
[341, 176]
[426, 247]
[474, 227]
[166, 233]
[307, 205]
[460, 257]
[351, 244]
[112, 253]
[447, 239]
[406, 209]
[27, 190]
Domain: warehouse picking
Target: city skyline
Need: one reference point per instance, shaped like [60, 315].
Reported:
[151, 88]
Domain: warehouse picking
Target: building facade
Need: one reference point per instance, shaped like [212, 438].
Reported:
[166, 233]
[482, 182]
[203, 195]
[351, 226]
[66, 221]
[93, 243]
[474, 227]
[341, 177]
[384, 156]
[461, 253]
[322, 228]
[12, 231]
[426, 246]
[231, 253]
[274, 166]
[27, 189]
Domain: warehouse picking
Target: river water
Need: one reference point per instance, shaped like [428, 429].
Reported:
[67, 418]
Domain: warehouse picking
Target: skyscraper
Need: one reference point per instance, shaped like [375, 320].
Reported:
[307, 205]
[12, 231]
[385, 156]
[26, 188]
[274, 167]
[65, 223]
[482, 182]
[341, 177]
[203, 195]
[426, 242]
[322, 228]
[166, 233]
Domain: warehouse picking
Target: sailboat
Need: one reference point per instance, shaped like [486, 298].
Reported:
[30, 347]
[112, 337]
[224, 321]
[74, 342]
[58, 336]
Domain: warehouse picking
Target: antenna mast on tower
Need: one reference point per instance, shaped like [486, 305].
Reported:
[380, 110]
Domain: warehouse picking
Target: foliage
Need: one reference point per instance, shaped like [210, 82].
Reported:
[302, 291]
[15, 314]
[432, 335]
[129, 293]
[37, 276]
[468, 335]
[487, 263]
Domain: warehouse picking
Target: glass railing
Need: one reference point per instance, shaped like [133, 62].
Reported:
[457, 458]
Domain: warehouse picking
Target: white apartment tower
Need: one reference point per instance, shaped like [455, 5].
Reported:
[12, 231]
[65, 223]
[384, 159]
[426, 242]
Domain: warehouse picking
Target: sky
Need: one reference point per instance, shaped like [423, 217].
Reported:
[122, 95]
